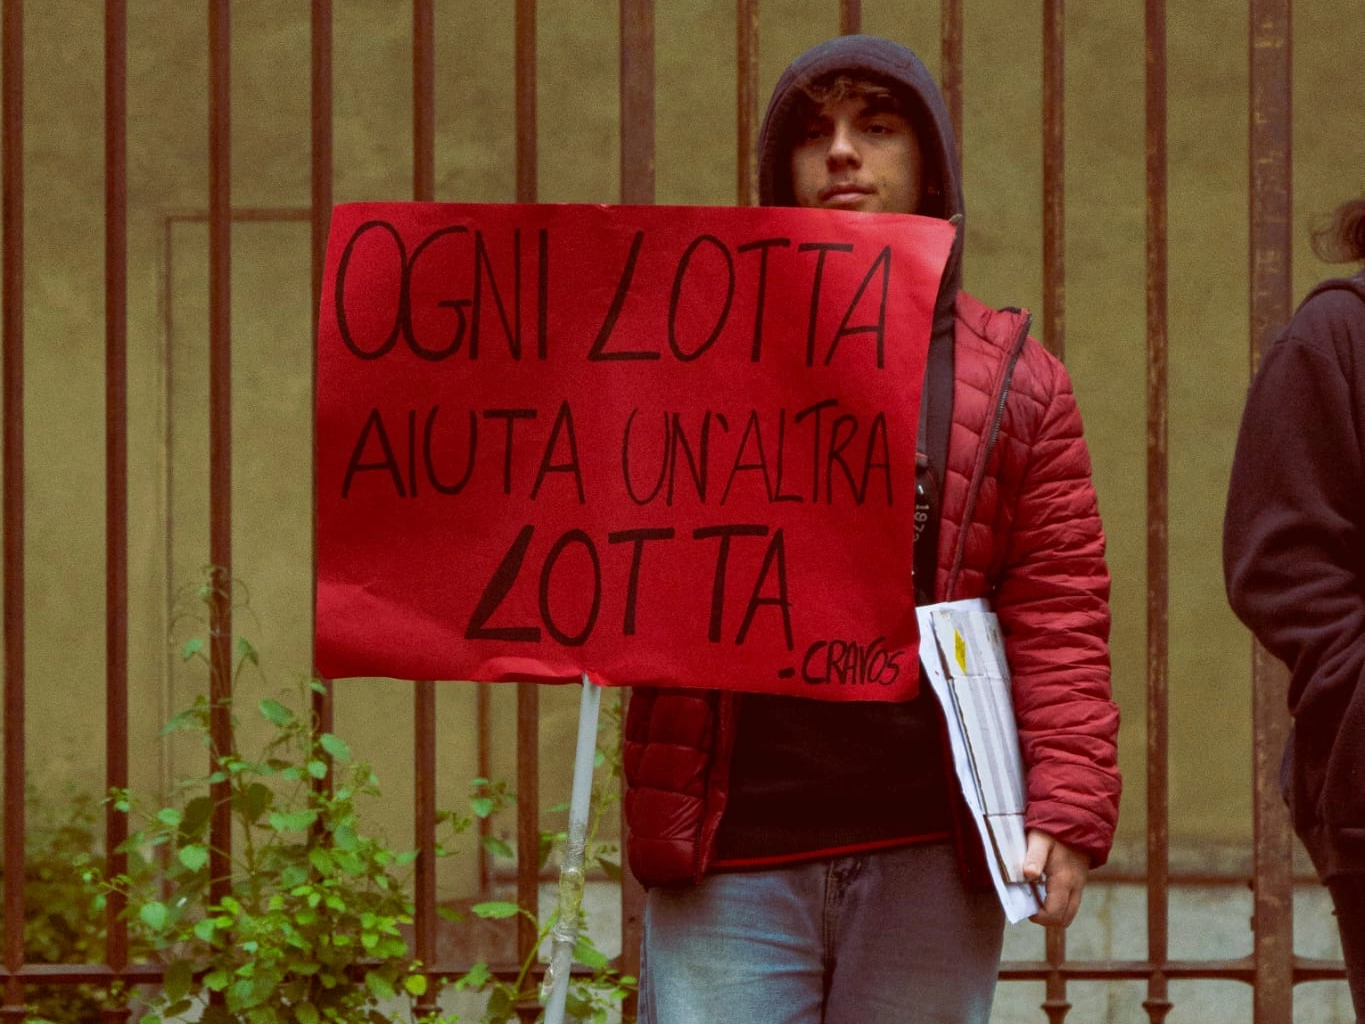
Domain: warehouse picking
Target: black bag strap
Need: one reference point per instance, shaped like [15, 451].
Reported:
[931, 459]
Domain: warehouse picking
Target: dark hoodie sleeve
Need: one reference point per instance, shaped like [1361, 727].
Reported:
[1294, 532]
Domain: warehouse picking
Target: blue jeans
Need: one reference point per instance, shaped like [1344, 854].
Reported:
[889, 937]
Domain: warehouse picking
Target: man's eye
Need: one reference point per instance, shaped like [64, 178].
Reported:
[815, 131]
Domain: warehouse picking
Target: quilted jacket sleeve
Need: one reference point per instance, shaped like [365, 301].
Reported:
[669, 740]
[1052, 597]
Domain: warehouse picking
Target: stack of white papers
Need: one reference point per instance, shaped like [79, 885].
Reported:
[963, 655]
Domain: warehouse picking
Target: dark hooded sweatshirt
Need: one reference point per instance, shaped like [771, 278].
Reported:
[1294, 557]
[811, 778]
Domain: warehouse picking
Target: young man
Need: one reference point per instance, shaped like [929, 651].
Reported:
[809, 862]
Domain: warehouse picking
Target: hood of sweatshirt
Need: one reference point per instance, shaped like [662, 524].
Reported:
[862, 56]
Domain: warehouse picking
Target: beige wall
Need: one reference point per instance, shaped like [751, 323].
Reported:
[1105, 342]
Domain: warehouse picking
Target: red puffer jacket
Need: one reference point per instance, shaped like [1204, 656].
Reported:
[1020, 527]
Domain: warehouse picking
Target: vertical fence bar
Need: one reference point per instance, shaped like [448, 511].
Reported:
[528, 694]
[528, 184]
[850, 17]
[637, 101]
[320, 153]
[1054, 178]
[1158, 1003]
[1271, 303]
[424, 795]
[320, 216]
[528, 828]
[220, 431]
[950, 74]
[322, 701]
[637, 186]
[423, 101]
[424, 691]
[746, 101]
[116, 468]
[1056, 1004]
[632, 897]
[13, 372]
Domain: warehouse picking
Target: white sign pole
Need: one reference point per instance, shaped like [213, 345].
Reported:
[564, 934]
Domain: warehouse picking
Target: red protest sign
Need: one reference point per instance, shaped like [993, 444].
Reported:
[662, 445]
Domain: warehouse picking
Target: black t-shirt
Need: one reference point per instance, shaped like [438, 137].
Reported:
[812, 777]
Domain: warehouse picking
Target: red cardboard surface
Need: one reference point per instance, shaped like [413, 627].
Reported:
[662, 445]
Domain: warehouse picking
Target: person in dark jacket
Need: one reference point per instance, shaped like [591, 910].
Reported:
[1294, 561]
[808, 861]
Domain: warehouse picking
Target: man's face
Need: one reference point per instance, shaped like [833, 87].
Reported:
[854, 154]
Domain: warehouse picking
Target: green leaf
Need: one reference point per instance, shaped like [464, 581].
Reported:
[497, 847]
[204, 929]
[345, 838]
[585, 953]
[177, 980]
[253, 801]
[482, 806]
[246, 652]
[198, 814]
[335, 746]
[476, 978]
[306, 1013]
[500, 1004]
[496, 910]
[416, 984]
[242, 994]
[275, 713]
[293, 821]
[191, 648]
[317, 769]
[321, 860]
[154, 915]
[610, 868]
[193, 857]
[379, 985]
[169, 816]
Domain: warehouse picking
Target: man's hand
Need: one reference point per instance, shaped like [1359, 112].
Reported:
[1063, 871]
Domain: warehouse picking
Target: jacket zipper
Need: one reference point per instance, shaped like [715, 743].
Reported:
[1016, 350]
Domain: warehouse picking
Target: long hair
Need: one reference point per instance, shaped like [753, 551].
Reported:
[1342, 238]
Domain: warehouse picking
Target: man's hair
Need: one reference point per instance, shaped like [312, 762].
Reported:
[882, 95]
[1342, 238]
[840, 85]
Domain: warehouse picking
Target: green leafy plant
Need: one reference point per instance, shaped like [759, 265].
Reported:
[305, 927]
[593, 996]
[305, 924]
[63, 919]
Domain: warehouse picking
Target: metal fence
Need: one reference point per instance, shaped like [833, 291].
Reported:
[1272, 968]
